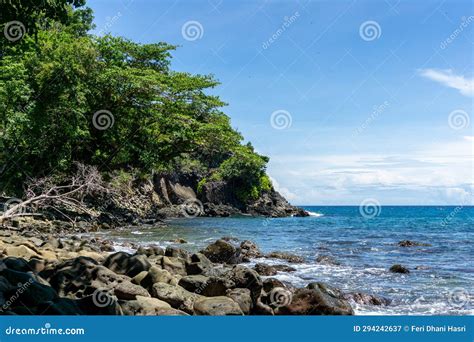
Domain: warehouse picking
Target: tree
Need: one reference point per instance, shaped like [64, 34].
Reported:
[67, 97]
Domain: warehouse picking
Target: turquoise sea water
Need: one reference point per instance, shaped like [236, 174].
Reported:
[441, 280]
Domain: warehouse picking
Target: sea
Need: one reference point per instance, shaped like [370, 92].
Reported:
[363, 246]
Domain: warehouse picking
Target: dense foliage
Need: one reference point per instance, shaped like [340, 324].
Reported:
[67, 96]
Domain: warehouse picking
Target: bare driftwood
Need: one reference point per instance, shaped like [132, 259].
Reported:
[43, 193]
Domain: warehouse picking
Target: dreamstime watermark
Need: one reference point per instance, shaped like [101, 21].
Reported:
[46, 330]
[101, 298]
[281, 119]
[192, 207]
[465, 22]
[458, 119]
[103, 119]
[279, 296]
[377, 110]
[458, 298]
[448, 218]
[192, 30]
[21, 287]
[287, 22]
[14, 30]
[370, 30]
[109, 22]
[370, 208]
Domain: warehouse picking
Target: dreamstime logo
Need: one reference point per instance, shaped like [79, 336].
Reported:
[103, 119]
[287, 22]
[465, 22]
[21, 287]
[192, 30]
[101, 298]
[458, 119]
[281, 119]
[376, 112]
[458, 297]
[109, 22]
[192, 208]
[14, 202]
[370, 30]
[370, 208]
[280, 296]
[14, 30]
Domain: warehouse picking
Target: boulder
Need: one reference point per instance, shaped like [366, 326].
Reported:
[269, 270]
[158, 275]
[222, 252]
[241, 297]
[125, 263]
[174, 265]
[366, 299]
[177, 253]
[21, 251]
[150, 251]
[270, 283]
[25, 290]
[143, 306]
[244, 277]
[198, 264]
[318, 300]
[216, 306]
[397, 268]
[129, 291]
[176, 296]
[286, 256]
[249, 250]
[194, 283]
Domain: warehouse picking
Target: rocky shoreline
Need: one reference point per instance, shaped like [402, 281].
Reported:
[43, 272]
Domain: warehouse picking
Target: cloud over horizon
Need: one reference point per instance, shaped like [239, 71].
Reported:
[449, 79]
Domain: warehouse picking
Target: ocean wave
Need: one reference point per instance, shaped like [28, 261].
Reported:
[312, 213]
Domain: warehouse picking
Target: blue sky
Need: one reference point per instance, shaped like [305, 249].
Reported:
[370, 99]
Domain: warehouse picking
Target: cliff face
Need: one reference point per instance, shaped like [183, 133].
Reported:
[216, 198]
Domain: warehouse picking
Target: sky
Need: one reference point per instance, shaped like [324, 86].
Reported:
[351, 100]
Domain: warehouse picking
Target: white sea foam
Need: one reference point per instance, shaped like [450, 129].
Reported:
[312, 213]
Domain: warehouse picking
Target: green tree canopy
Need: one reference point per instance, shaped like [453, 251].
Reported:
[67, 96]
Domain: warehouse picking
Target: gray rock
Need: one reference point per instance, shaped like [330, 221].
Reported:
[397, 268]
[176, 296]
[241, 297]
[216, 306]
[222, 252]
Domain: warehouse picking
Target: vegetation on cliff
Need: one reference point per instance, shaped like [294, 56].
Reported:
[68, 96]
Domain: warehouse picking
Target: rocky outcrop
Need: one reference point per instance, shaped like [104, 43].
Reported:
[154, 281]
[216, 198]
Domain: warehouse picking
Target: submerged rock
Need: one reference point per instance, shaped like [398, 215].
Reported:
[409, 243]
[397, 268]
[327, 260]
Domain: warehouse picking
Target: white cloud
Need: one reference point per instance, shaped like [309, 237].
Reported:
[439, 173]
[447, 78]
[469, 138]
